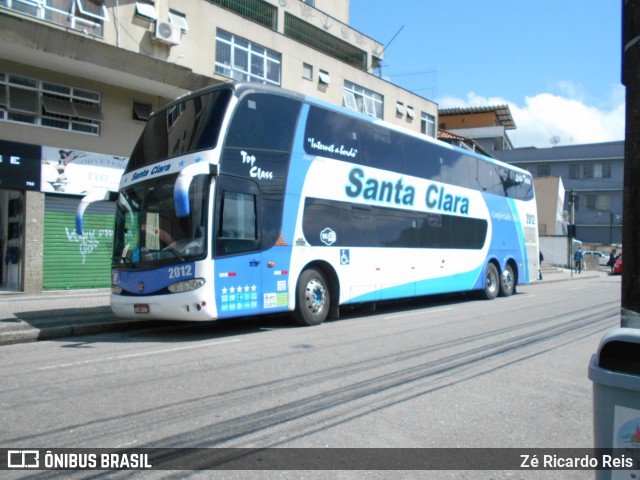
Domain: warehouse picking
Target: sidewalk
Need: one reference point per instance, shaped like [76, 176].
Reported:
[33, 317]
[43, 316]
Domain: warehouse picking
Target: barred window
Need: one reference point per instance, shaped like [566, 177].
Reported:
[47, 104]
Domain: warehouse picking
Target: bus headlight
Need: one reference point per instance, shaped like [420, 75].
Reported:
[186, 285]
[115, 289]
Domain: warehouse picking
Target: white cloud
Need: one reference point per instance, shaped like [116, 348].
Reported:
[566, 115]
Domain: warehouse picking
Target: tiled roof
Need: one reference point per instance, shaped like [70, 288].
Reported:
[453, 138]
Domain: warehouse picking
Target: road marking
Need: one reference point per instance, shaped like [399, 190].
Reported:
[126, 444]
[134, 355]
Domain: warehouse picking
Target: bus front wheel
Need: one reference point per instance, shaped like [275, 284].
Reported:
[491, 282]
[312, 298]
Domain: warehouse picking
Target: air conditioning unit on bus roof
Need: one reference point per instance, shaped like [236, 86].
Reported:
[166, 32]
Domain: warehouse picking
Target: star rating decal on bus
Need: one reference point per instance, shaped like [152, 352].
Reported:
[238, 297]
[239, 289]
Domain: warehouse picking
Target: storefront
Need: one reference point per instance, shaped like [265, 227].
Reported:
[40, 189]
[71, 261]
[19, 174]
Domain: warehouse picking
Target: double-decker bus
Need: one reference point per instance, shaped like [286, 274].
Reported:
[242, 199]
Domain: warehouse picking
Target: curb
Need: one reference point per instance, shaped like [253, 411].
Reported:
[32, 334]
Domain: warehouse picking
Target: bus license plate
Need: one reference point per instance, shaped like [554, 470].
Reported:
[141, 308]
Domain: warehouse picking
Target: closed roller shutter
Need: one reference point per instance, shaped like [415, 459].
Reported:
[71, 261]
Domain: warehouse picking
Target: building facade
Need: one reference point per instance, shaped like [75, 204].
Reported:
[79, 78]
[595, 175]
[485, 126]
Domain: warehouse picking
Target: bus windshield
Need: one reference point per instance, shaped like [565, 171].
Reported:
[188, 125]
[147, 231]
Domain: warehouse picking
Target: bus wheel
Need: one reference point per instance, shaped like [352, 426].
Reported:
[507, 282]
[491, 282]
[312, 298]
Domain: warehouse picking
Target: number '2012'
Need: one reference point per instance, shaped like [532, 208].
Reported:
[180, 271]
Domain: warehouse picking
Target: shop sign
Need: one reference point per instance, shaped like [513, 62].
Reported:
[19, 166]
[76, 172]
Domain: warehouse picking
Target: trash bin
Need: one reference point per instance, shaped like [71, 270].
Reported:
[615, 373]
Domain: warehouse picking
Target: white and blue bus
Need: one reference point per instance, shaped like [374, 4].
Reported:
[242, 199]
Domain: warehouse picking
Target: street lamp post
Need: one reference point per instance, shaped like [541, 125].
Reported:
[611, 229]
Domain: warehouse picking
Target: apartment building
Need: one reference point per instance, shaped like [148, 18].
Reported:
[595, 175]
[79, 78]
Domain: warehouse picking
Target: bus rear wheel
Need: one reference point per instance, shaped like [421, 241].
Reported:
[507, 282]
[312, 298]
[491, 282]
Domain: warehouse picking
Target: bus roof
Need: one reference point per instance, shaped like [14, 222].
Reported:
[242, 88]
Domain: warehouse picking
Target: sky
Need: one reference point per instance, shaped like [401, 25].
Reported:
[556, 63]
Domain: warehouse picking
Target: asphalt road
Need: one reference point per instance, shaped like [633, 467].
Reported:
[442, 372]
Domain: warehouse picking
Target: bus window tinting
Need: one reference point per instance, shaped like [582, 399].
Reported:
[365, 226]
[334, 135]
[187, 126]
[259, 139]
[263, 122]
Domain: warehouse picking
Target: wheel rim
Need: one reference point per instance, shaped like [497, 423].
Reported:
[315, 296]
[507, 278]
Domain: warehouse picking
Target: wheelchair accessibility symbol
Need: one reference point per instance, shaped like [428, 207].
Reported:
[344, 256]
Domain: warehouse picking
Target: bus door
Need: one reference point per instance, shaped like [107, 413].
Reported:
[238, 257]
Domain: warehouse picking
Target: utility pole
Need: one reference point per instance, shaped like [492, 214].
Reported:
[630, 312]
[572, 228]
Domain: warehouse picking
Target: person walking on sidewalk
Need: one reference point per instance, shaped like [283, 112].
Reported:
[577, 260]
[541, 257]
[612, 259]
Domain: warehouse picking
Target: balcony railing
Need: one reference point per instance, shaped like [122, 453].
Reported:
[255, 10]
[85, 15]
[314, 37]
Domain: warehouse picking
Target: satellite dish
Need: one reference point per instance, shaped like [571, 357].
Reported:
[555, 140]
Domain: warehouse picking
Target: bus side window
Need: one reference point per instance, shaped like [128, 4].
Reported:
[381, 148]
[420, 159]
[265, 122]
[333, 135]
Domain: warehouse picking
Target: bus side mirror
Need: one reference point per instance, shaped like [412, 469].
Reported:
[181, 196]
[183, 182]
[95, 196]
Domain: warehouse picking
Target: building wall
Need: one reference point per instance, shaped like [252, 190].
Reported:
[124, 64]
[196, 53]
[337, 9]
[476, 120]
[549, 202]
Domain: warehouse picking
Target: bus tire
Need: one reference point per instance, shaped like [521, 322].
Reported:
[507, 282]
[313, 300]
[491, 282]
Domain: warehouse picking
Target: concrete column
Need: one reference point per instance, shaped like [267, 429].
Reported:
[33, 242]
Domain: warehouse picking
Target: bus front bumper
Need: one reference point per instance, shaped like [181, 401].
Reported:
[179, 306]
